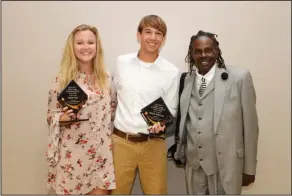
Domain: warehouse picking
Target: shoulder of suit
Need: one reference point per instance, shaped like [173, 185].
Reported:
[237, 72]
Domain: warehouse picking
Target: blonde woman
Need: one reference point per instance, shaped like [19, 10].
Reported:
[80, 154]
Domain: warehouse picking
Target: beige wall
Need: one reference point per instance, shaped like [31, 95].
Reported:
[254, 35]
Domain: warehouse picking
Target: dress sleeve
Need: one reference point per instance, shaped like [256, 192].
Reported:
[53, 114]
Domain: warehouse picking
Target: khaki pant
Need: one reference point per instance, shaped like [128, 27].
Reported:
[148, 157]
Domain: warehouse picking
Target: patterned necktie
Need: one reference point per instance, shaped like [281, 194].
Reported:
[202, 86]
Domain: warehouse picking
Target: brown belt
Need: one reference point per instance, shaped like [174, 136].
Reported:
[130, 137]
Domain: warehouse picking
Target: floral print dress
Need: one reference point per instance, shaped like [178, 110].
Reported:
[80, 155]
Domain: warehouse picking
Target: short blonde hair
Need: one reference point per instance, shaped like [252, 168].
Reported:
[152, 21]
[69, 67]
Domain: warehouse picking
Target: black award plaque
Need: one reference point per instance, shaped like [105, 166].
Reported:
[73, 97]
[155, 112]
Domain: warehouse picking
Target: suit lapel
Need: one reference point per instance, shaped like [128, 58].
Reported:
[219, 96]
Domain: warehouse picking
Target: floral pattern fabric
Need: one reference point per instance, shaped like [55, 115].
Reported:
[79, 155]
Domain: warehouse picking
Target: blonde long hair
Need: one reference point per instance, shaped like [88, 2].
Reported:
[69, 67]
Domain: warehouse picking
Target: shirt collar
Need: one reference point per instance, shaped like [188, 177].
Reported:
[208, 76]
[157, 62]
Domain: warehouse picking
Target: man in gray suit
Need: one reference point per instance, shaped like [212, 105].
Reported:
[219, 125]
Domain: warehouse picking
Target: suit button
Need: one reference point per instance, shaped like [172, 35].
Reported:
[219, 152]
[200, 146]
[201, 159]
[199, 132]
[216, 134]
[200, 118]
[200, 104]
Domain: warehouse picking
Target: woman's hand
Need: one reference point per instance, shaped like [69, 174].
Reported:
[67, 116]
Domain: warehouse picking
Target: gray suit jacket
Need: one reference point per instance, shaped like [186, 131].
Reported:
[235, 125]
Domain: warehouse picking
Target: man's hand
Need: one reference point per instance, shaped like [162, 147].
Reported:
[156, 128]
[247, 179]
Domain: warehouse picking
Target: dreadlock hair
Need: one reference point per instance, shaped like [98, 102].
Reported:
[212, 36]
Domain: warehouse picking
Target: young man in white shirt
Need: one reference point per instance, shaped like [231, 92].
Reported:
[141, 78]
